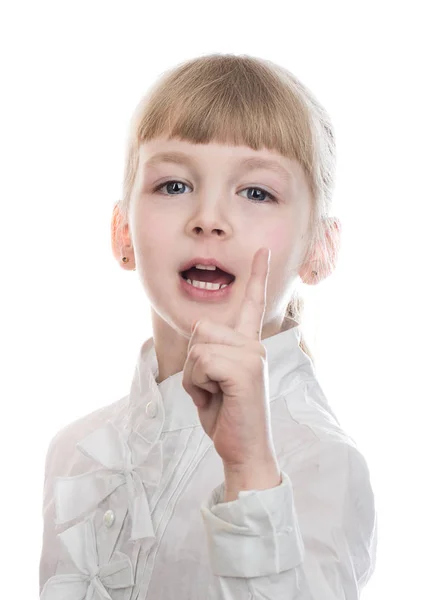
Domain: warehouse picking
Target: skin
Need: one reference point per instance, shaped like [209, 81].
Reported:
[214, 215]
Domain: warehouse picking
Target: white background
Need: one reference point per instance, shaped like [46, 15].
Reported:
[72, 321]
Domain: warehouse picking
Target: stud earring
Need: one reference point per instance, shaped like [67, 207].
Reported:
[125, 260]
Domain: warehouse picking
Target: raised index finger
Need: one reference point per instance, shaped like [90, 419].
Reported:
[250, 320]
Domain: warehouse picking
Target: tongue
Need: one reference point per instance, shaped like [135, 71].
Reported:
[217, 276]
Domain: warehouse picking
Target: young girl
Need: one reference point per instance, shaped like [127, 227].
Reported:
[224, 473]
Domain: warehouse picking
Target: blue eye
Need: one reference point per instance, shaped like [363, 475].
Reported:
[262, 191]
[174, 181]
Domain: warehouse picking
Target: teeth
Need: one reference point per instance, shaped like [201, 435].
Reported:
[206, 267]
[207, 285]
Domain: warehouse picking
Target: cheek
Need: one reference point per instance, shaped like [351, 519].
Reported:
[154, 247]
[282, 241]
[279, 239]
[153, 233]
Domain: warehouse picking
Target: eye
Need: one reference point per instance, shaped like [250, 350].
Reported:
[256, 200]
[168, 183]
[262, 191]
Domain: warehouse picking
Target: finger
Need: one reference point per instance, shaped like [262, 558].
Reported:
[250, 319]
[207, 331]
[212, 371]
[199, 394]
[207, 366]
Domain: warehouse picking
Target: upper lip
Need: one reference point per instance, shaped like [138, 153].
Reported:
[199, 260]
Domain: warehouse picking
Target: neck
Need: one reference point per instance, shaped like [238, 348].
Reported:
[171, 347]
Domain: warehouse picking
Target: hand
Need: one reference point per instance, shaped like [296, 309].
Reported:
[226, 374]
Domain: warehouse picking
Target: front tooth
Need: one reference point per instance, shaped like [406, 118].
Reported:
[206, 267]
[207, 285]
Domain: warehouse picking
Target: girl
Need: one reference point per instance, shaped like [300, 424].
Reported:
[224, 473]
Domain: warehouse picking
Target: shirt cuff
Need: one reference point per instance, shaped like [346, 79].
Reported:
[256, 535]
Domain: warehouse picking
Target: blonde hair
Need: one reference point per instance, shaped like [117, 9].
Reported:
[243, 100]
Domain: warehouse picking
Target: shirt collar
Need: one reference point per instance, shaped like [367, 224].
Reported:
[166, 406]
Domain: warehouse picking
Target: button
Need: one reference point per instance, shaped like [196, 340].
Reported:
[289, 529]
[151, 409]
[109, 518]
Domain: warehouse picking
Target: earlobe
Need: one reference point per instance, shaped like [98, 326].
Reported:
[311, 274]
[120, 240]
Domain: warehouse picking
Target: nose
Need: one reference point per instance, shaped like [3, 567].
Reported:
[209, 225]
[198, 230]
[210, 215]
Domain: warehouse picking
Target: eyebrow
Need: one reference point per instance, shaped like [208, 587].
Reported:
[248, 164]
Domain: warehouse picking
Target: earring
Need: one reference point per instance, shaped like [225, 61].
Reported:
[125, 260]
[314, 273]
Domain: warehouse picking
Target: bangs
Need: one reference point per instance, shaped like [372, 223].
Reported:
[228, 100]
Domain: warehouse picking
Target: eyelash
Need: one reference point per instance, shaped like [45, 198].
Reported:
[271, 197]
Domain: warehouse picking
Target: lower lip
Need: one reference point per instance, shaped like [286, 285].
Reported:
[200, 294]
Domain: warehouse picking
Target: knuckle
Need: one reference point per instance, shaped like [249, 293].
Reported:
[195, 351]
[200, 353]
[205, 357]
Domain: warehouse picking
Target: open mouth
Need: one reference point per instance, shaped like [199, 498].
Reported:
[207, 279]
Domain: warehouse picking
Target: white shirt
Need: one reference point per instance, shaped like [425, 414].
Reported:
[133, 492]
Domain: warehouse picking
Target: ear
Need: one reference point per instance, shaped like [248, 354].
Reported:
[323, 263]
[120, 240]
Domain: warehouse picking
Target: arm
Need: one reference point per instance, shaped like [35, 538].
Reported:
[262, 476]
[310, 538]
[48, 556]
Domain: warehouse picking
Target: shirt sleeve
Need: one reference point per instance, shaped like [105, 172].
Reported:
[47, 560]
[313, 537]
[50, 542]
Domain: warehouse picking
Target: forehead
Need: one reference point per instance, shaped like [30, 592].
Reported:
[182, 152]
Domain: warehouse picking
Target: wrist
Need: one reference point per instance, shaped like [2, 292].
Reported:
[251, 476]
[263, 460]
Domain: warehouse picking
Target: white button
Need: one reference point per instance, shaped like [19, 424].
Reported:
[289, 529]
[151, 409]
[109, 518]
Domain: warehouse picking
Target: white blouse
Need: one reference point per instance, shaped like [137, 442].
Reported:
[133, 493]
